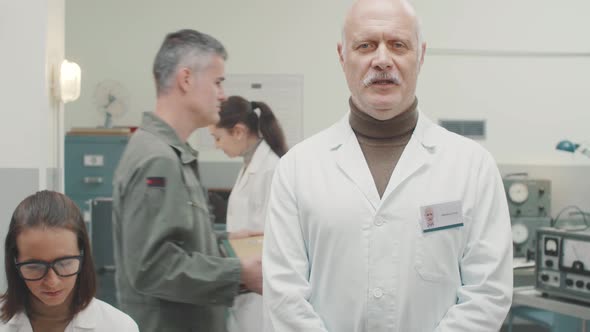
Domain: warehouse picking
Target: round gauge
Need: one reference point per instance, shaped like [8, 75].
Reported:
[551, 246]
[518, 192]
[519, 233]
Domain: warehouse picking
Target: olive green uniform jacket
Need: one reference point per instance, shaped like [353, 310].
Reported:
[170, 275]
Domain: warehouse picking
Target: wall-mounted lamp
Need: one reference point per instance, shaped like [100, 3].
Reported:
[569, 146]
[69, 81]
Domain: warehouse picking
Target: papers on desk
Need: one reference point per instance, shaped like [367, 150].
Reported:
[242, 248]
[522, 263]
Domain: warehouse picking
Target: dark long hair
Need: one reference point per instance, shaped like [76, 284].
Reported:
[52, 210]
[239, 110]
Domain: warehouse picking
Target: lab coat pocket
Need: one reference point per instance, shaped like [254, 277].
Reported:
[437, 254]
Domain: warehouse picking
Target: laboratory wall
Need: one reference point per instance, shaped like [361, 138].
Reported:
[114, 40]
[31, 129]
[521, 66]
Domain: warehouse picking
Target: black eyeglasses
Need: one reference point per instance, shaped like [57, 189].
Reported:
[36, 270]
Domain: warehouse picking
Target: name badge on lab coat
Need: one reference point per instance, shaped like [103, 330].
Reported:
[441, 216]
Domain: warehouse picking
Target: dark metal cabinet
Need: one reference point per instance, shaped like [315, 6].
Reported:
[90, 163]
[102, 249]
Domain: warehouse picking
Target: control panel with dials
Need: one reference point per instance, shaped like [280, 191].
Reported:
[528, 197]
[563, 263]
[529, 204]
[524, 238]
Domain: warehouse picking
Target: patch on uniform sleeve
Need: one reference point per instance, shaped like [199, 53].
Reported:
[158, 182]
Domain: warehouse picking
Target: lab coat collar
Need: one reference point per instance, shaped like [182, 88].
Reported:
[20, 322]
[424, 133]
[418, 153]
[258, 159]
[84, 320]
[155, 125]
[349, 157]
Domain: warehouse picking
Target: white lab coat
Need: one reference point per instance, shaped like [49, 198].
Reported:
[246, 209]
[339, 258]
[98, 316]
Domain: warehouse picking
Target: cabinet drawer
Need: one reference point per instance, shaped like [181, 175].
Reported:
[90, 165]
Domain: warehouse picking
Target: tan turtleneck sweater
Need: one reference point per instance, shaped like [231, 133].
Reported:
[49, 319]
[383, 141]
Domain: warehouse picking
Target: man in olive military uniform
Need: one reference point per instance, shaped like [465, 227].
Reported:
[169, 272]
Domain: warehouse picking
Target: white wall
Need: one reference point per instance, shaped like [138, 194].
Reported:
[528, 102]
[534, 25]
[32, 39]
[23, 69]
[54, 132]
[32, 35]
[531, 90]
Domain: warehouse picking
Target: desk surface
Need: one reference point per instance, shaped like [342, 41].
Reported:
[529, 296]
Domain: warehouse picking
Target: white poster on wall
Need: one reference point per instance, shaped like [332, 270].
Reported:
[282, 93]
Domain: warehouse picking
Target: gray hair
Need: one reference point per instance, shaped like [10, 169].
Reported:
[183, 48]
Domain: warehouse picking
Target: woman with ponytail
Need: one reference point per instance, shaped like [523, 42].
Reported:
[249, 130]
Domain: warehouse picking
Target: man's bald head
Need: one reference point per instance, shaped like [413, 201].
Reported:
[381, 55]
[359, 7]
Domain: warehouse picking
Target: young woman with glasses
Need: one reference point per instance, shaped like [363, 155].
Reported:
[50, 272]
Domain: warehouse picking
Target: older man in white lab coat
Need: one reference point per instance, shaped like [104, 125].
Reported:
[386, 221]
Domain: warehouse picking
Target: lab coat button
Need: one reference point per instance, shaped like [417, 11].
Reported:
[378, 221]
[377, 293]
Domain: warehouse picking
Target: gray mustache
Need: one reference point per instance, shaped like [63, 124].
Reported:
[382, 76]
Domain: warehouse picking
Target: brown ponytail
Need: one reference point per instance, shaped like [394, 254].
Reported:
[238, 110]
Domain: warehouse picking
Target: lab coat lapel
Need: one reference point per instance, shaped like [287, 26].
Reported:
[351, 161]
[241, 180]
[85, 320]
[257, 160]
[19, 323]
[417, 154]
